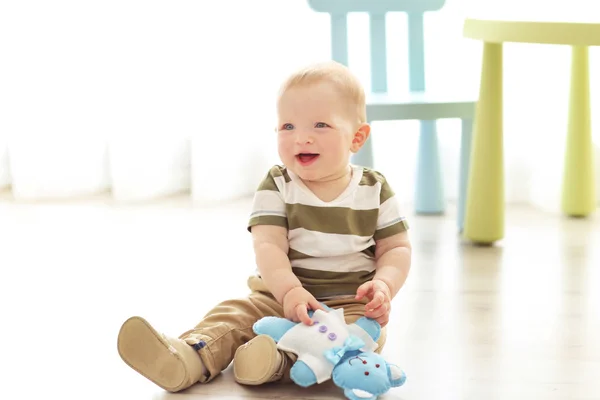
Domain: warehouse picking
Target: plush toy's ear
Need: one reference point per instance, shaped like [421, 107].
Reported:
[396, 375]
[357, 394]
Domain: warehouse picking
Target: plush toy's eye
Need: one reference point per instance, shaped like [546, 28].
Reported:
[366, 372]
[376, 365]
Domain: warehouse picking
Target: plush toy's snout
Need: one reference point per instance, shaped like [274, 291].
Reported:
[370, 370]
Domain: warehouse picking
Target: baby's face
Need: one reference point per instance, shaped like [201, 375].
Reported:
[316, 127]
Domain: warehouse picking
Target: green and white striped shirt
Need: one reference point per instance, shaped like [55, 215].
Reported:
[331, 244]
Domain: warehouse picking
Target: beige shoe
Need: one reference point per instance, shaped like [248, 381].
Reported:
[170, 363]
[258, 362]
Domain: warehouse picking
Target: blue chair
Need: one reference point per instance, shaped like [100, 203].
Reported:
[416, 105]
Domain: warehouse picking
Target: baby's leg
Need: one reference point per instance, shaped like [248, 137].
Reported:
[227, 327]
[200, 354]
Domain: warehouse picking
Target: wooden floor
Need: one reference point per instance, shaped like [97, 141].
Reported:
[520, 320]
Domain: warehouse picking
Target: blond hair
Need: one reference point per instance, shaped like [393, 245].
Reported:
[336, 74]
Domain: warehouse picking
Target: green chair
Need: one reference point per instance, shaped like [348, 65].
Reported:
[418, 104]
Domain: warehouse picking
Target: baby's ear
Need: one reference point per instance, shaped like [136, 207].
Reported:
[360, 137]
[396, 375]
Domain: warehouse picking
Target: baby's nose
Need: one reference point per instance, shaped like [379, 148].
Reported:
[303, 137]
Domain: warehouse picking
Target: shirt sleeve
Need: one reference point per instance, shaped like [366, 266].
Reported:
[268, 206]
[391, 219]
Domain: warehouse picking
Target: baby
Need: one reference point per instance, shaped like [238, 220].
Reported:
[323, 230]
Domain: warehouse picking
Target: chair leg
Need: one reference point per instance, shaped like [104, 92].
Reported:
[465, 158]
[429, 196]
[364, 157]
[578, 197]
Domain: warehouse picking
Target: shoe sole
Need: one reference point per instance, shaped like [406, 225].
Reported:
[147, 352]
[247, 370]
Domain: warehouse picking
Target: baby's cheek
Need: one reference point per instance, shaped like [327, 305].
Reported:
[284, 149]
[286, 144]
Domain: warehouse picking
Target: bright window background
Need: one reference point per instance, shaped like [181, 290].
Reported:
[150, 98]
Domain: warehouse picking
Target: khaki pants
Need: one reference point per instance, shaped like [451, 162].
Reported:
[229, 325]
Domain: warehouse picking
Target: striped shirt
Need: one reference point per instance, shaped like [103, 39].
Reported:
[331, 244]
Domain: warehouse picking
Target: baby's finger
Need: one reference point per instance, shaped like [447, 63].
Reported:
[378, 312]
[315, 305]
[378, 300]
[363, 290]
[302, 313]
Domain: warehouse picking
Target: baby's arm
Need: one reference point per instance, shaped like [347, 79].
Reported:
[271, 248]
[393, 255]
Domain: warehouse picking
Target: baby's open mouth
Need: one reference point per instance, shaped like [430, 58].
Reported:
[306, 158]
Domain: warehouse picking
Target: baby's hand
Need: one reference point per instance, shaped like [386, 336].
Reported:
[296, 304]
[380, 305]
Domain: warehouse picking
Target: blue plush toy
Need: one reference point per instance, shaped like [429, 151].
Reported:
[330, 348]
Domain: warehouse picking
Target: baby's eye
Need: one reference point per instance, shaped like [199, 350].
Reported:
[321, 125]
[287, 127]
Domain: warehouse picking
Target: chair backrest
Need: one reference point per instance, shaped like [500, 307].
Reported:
[377, 10]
